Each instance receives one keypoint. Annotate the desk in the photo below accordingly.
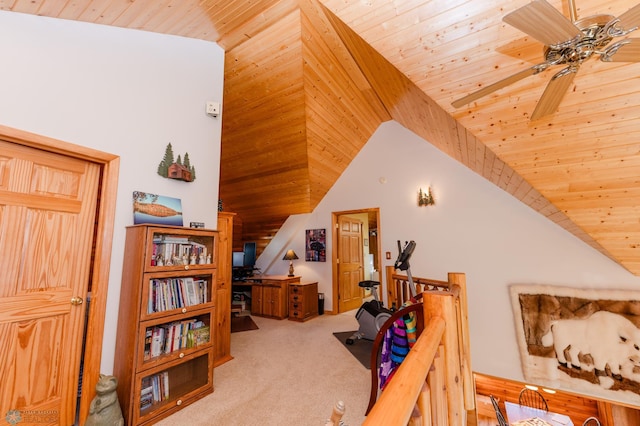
(516, 412)
(270, 294)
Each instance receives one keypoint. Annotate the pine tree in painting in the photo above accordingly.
(163, 167)
(187, 165)
(144, 196)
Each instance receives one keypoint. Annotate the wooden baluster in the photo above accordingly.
(336, 415)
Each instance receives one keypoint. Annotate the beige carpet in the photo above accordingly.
(284, 373)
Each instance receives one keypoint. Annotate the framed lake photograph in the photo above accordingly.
(156, 209)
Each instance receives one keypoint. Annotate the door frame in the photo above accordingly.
(102, 243)
(334, 252)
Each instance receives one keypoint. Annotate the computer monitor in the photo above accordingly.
(238, 259)
(250, 254)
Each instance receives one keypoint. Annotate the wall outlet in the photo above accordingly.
(213, 108)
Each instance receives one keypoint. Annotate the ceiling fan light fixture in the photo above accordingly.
(569, 42)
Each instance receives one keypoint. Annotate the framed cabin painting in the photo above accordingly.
(581, 340)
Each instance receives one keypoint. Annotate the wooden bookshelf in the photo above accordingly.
(166, 324)
(223, 291)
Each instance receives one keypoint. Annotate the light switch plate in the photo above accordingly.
(213, 108)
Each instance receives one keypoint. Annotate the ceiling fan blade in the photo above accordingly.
(500, 84)
(544, 23)
(627, 50)
(554, 92)
(630, 20)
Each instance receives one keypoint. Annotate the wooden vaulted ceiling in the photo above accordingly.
(307, 82)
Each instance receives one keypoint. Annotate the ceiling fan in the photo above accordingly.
(567, 42)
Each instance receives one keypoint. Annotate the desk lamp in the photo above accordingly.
(290, 256)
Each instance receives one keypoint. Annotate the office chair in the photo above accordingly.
(591, 421)
(499, 415)
(533, 399)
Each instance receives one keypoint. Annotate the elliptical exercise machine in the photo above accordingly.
(402, 263)
(372, 314)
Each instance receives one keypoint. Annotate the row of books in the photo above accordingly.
(155, 389)
(167, 338)
(176, 293)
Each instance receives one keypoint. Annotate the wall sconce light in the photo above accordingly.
(290, 256)
(425, 198)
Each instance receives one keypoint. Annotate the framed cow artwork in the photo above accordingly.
(581, 340)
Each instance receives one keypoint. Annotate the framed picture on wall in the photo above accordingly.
(580, 339)
(315, 245)
(157, 209)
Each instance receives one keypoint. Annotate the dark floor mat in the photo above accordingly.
(361, 349)
(242, 323)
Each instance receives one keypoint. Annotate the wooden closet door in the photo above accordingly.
(47, 213)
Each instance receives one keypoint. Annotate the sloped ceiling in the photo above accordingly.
(314, 111)
(307, 82)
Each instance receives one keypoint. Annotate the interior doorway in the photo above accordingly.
(355, 255)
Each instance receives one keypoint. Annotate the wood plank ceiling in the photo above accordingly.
(308, 81)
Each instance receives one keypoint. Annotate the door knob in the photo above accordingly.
(77, 300)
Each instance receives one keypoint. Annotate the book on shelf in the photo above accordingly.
(168, 342)
(190, 287)
(177, 337)
(157, 341)
(155, 389)
(200, 336)
(146, 395)
(165, 382)
(203, 290)
(148, 339)
(151, 297)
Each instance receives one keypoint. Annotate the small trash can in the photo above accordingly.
(320, 303)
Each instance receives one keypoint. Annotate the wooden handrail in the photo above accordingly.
(434, 384)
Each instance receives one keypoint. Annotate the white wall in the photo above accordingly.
(124, 92)
(475, 228)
